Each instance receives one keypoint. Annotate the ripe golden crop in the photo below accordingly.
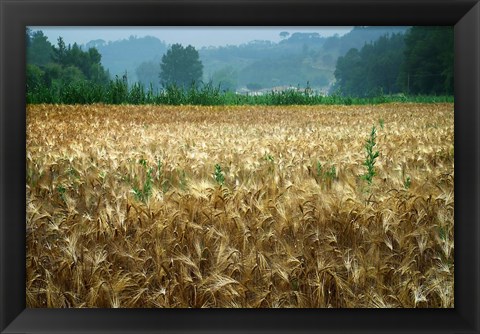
(245, 206)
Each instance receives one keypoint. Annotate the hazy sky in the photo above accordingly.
(196, 36)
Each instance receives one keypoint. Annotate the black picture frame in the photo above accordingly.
(15, 15)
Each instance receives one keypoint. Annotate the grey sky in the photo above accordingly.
(196, 36)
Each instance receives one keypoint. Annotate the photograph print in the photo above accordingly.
(240, 167)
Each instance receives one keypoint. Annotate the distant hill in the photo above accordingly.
(297, 59)
(127, 54)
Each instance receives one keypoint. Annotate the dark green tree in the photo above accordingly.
(429, 60)
(372, 71)
(98, 74)
(35, 77)
(95, 71)
(39, 50)
(348, 71)
(181, 66)
(60, 52)
(51, 70)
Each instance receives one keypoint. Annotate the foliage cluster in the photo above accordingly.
(372, 155)
(61, 72)
(395, 67)
(373, 70)
(142, 193)
(419, 62)
(118, 91)
(181, 67)
(297, 58)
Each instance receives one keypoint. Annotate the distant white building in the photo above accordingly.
(279, 89)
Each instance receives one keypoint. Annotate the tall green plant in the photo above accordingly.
(218, 174)
(372, 155)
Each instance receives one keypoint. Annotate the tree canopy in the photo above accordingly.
(419, 62)
(53, 68)
(428, 67)
(373, 70)
(181, 66)
(39, 49)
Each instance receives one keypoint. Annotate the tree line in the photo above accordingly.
(420, 62)
(53, 67)
(67, 74)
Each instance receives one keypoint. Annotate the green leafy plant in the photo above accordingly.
(326, 175)
(144, 192)
(442, 233)
(119, 91)
(371, 157)
(271, 162)
(143, 162)
(219, 175)
(61, 191)
(332, 173)
(269, 158)
(407, 182)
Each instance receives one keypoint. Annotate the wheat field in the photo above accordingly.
(243, 206)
